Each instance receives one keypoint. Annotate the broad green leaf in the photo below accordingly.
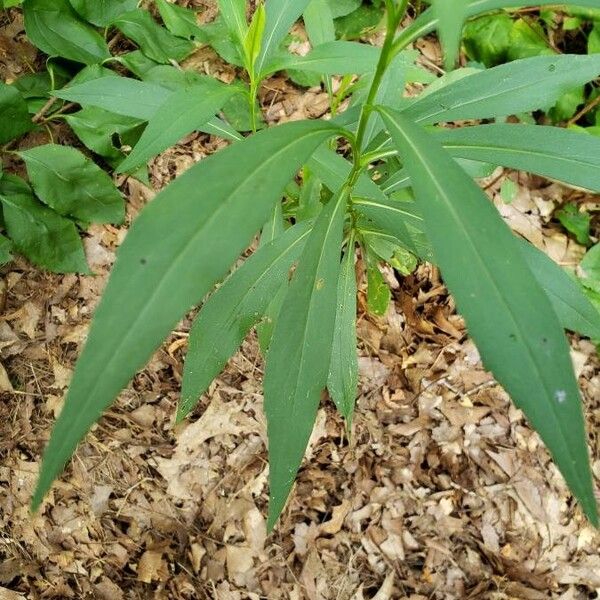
(37, 232)
(71, 184)
(506, 310)
(16, 119)
(590, 269)
(102, 12)
(560, 154)
(154, 41)
(573, 309)
(318, 22)
(234, 16)
(180, 21)
(300, 351)
(378, 292)
(341, 8)
(56, 29)
(517, 87)
(183, 112)
(342, 381)
(486, 40)
(309, 202)
(450, 15)
(359, 23)
(5, 250)
(169, 261)
(280, 16)
(332, 58)
(137, 99)
(136, 62)
(104, 132)
(233, 309)
(388, 248)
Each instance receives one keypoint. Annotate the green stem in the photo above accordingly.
(253, 96)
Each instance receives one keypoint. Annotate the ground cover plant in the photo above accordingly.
(387, 176)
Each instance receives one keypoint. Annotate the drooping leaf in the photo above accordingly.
(56, 29)
(71, 184)
(450, 15)
(183, 112)
(342, 381)
(220, 204)
(102, 12)
(517, 87)
(506, 310)
(299, 354)
(232, 310)
(573, 309)
(154, 41)
(37, 232)
(560, 154)
(280, 16)
(16, 119)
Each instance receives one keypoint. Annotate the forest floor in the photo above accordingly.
(441, 492)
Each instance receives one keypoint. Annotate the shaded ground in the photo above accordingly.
(441, 492)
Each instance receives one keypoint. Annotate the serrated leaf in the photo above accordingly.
(342, 381)
(233, 309)
(507, 312)
(71, 184)
(220, 204)
(16, 119)
(154, 41)
(298, 358)
(37, 232)
(560, 154)
(520, 86)
(183, 112)
(102, 12)
(56, 29)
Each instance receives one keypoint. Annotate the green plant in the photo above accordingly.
(404, 194)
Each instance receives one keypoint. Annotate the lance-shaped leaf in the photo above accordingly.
(181, 244)
(571, 305)
(428, 20)
(506, 310)
(281, 15)
(516, 87)
(234, 15)
(233, 309)
(298, 358)
(342, 382)
(183, 112)
(102, 12)
(450, 15)
(567, 156)
(332, 58)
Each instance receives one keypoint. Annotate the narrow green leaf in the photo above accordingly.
(450, 15)
(254, 37)
(102, 12)
(298, 358)
(154, 41)
(233, 309)
(517, 87)
(507, 312)
(234, 15)
(318, 22)
(342, 381)
(71, 184)
(332, 58)
(183, 112)
(16, 119)
(37, 232)
(169, 261)
(573, 309)
(180, 21)
(560, 154)
(56, 29)
(280, 16)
